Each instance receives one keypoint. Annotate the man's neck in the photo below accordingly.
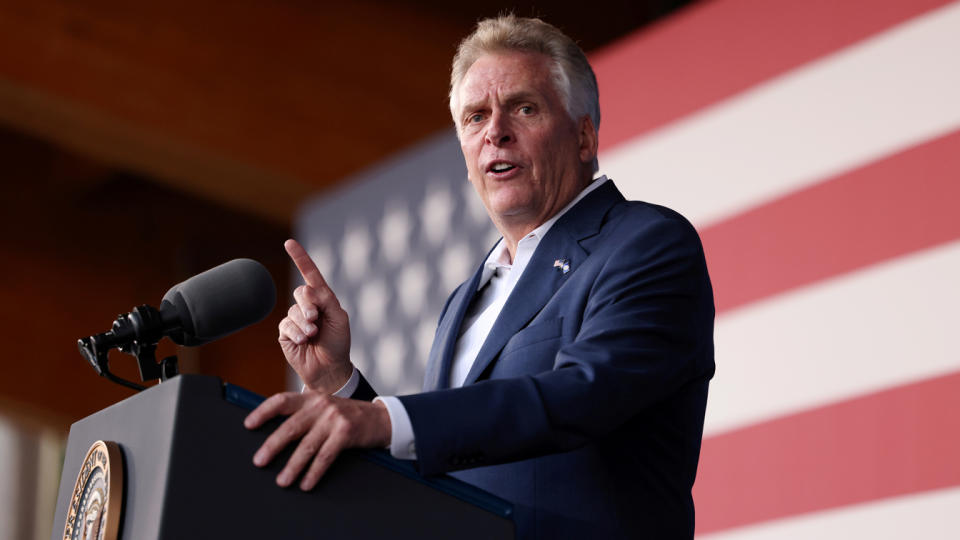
(511, 238)
(516, 230)
(513, 232)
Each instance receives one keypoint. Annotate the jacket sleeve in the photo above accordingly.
(364, 391)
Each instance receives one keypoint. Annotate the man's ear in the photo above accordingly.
(587, 138)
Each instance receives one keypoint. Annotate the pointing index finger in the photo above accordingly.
(308, 269)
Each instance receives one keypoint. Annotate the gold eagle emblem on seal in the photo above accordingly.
(97, 499)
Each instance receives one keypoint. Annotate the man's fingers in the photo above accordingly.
(331, 448)
(295, 315)
(291, 429)
(305, 451)
(291, 332)
(326, 424)
(308, 299)
(309, 271)
(284, 403)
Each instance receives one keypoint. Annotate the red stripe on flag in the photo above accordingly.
(885, 444)
(714, 50)
(889, 208)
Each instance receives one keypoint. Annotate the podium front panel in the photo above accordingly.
(189, 473)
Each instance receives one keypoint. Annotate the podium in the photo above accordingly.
(188, 473)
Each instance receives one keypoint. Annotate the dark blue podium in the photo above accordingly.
(188, 473)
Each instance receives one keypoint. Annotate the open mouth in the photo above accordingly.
(501, 167)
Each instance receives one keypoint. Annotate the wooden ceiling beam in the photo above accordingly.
(252, 104)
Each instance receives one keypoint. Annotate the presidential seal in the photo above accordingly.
(97, 500)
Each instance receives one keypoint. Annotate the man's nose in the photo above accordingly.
(499, 131)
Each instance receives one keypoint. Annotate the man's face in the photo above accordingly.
(525, 156)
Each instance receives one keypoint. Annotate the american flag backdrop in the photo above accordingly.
(816, 146)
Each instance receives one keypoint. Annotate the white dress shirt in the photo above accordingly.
(497, 281)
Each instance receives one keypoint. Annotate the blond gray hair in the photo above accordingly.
(572, 75)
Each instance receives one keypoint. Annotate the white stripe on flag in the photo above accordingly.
(930, 516)
(892, 91)
(886, 325)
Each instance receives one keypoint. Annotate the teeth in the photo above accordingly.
(500, 167)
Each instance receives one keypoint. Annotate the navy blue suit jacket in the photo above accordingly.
(585, 404)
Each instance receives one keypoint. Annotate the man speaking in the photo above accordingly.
(569, 374)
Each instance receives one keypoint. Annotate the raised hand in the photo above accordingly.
(315, 334)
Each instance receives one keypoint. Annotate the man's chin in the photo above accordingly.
(509, 209)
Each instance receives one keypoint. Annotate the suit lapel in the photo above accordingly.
(437, 375)
(541, 278)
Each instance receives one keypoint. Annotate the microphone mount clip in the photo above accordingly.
(137, 334)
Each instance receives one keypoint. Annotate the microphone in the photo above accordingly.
(218, 302)
(204, 308)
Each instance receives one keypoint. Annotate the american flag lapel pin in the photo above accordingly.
(562, 264)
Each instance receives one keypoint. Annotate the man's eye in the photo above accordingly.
(526, 109)
(474, 118)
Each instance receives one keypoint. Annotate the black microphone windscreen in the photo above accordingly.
(220, 301)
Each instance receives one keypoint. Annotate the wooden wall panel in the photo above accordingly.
(82, 244)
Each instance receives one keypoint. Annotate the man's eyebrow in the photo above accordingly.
(472, 105)
(509, 99)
